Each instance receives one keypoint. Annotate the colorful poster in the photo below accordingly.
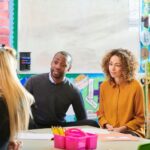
(145, 58)
(4, 22)
(144, 33)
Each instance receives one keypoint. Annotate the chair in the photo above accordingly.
(145, 146)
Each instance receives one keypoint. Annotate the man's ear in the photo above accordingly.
(69, 68)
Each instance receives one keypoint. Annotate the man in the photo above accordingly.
(54, 94)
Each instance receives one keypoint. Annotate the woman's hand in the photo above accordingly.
(120, 129)
(15, 145)
(109, 127)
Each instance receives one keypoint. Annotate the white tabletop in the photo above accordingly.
(45, 144)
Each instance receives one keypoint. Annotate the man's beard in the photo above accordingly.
(60, 75)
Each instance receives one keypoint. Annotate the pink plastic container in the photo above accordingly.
(59, 141)
(74, 132)
(91, 141)
(75, 143)
(75, 139)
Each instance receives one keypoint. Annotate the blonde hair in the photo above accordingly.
(16, 97)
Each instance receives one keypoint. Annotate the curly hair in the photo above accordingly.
(128, 63)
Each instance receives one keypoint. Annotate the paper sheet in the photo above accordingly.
(117, 137)
(35, 136)
(95, 130)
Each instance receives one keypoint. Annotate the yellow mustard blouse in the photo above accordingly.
(122, 105)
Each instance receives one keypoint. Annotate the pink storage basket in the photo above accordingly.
(91, 141)
(59, 141)
(76, 139)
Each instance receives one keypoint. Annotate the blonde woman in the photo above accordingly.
(14, 101)
(121, 95)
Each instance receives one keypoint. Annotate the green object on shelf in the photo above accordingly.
(145, 146)
(147, 68)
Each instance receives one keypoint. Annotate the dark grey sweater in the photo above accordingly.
(53, 100)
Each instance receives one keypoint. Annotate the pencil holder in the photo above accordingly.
(75, 139)
(59, 141)
(75, 143)
(74, 132)
(91, 141)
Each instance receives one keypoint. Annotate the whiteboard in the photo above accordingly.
(85, 28)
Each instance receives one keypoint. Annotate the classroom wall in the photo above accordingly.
(85, 28)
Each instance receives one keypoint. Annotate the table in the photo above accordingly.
(101, 145)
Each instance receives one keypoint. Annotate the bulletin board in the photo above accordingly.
(8, 22)
(85, 28)
(144, 33)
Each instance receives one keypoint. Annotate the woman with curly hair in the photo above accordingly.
(15, 101)
(121, 95)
